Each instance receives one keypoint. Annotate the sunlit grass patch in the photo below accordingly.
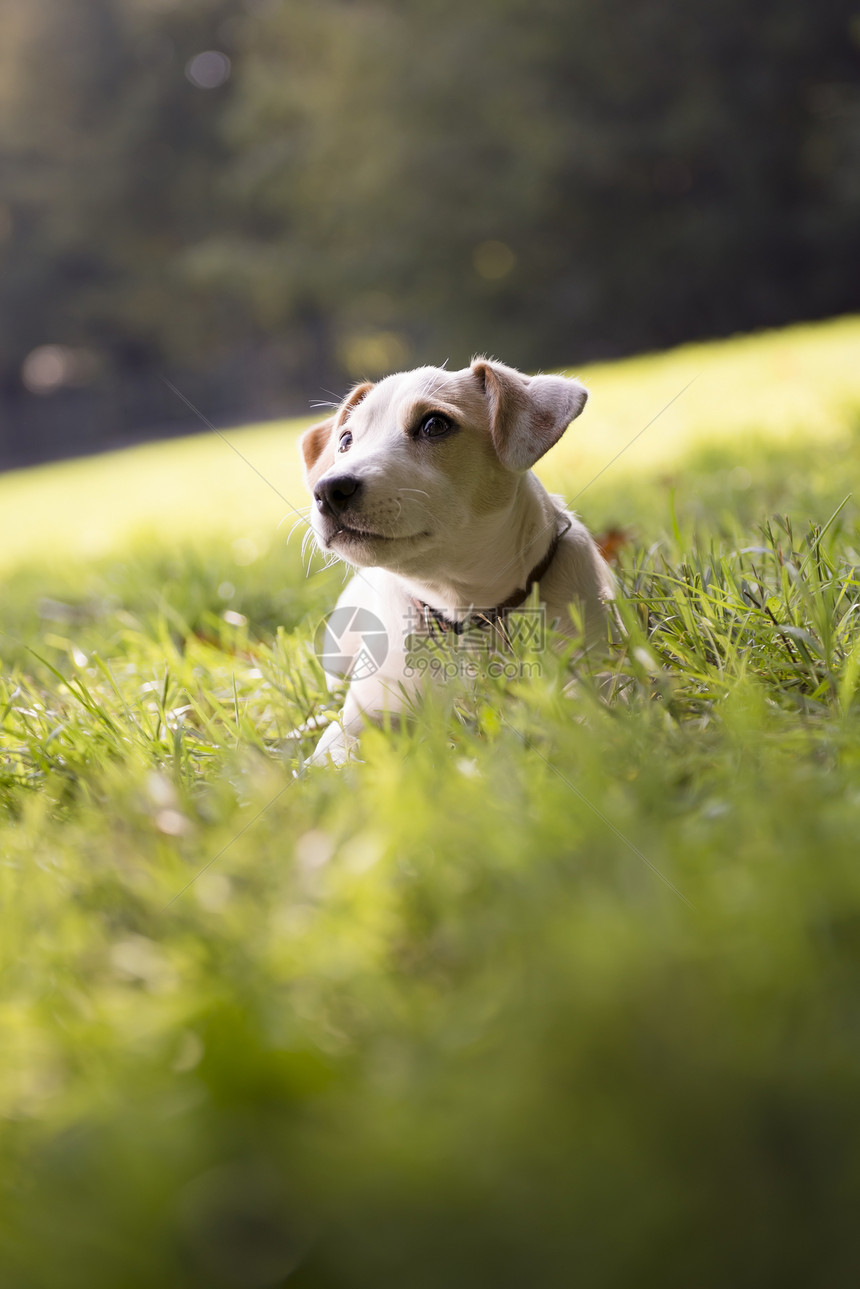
(781, 388)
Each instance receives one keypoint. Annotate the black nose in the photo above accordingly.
(334, 495)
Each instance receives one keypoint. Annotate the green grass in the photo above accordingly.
(557, 986)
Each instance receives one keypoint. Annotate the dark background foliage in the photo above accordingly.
(337, 188)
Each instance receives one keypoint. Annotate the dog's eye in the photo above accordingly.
(345, 442)
(434, 426)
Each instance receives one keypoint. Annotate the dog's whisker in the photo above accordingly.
(432, 383)
(338, 398)
(307, 551)
(304, 518)
(425, 505)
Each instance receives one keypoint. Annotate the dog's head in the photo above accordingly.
(409, 468)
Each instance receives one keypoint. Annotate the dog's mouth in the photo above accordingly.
(357, 535)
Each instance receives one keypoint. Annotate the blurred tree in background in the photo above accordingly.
(262, 200)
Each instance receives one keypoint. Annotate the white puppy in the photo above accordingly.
(423, 483)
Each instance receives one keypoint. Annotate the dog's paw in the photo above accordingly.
(336, 747)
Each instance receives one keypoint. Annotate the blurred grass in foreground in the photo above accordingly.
(553, 987)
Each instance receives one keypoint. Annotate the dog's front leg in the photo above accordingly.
(340, 737)
(371, 700)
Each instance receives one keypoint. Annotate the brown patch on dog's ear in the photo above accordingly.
(317, 448)
(528, 414)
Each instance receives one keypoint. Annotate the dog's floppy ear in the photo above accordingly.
(528, 414)
(317, 448)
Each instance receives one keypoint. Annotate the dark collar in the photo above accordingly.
(491, 617)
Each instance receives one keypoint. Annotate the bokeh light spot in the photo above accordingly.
(373, 353)
(208, 70)
(493, 260)
(49, 367)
